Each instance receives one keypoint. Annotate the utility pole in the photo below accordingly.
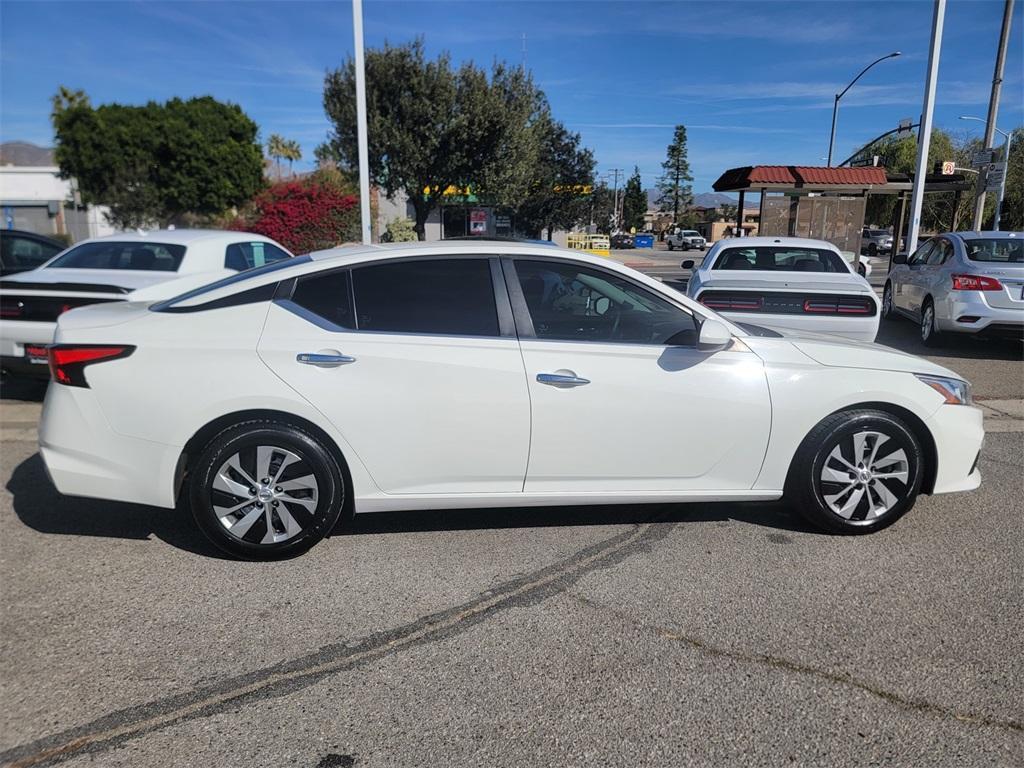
(993, 109)
(925, 132)
(364, 153)
(615, 199)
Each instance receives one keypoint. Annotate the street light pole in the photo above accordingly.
(1007, 140)
(364, 154)
(993, 107)
(835, 104)
(924, 135)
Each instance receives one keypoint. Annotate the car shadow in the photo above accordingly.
(902, 334)
(40, 507)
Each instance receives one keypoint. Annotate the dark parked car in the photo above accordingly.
(623, 240)
(20, 250)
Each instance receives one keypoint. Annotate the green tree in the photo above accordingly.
(634, 203)
(676, 193)
(276, 152)
(177, 162)
(431, 127)
(292, 152)
(602, 208)
(560, 181)
(1011, 217)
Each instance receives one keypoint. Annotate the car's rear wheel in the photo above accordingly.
(856, 472)
(265, 490)
(930, 335)
(888, 310)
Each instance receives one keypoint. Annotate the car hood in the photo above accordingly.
(121, 278)
(843, 353)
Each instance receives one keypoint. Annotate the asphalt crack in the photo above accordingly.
(787, 665)
(284, 678)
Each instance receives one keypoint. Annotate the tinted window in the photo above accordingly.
(326, 295)
(579, 304)
(149, 257)
(26, 253)
(445, 296)
(781, 259)
(242, 256)
(1001, 249)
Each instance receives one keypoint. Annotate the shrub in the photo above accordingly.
(399, 231)
(304, 216)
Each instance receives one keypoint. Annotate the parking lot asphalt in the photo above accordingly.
(704, 634)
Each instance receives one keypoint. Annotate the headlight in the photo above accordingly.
(955, 391)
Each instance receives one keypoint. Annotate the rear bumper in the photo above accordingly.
(956, 312)
(856, 328)
(958, 432)
(85, 457)
(14, 335)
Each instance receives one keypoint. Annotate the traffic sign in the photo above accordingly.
(904, 126)
(983, 157)
(948, 168)
(994, 176)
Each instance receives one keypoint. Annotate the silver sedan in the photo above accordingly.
(965, 282)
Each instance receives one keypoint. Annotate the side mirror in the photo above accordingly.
(688, 264)
(713, 336)
(899, 258)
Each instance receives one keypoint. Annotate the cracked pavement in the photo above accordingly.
(705, 634)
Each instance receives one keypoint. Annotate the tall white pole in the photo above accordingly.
(1002, 184)
(925, 131)
(364, 153)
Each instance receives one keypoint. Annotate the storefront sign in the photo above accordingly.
(477, 221)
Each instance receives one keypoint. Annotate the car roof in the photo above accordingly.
(178, 236)
(354, 253)
(975, 235)
(754, 242)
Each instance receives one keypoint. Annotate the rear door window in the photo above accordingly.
(138, 256)
(243, 256)
(438, 296)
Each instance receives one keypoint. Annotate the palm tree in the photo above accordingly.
(277, 149)
(292, 152)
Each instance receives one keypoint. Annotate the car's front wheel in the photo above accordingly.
(856, 472)
(671, 247)
(265, 490)
(888, 311)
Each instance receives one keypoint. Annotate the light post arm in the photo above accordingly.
(835, 104)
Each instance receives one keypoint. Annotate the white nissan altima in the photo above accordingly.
(482, 374)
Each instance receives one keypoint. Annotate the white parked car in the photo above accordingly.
(685, 239)
(424, 376)
(110, 268)
(786, 282)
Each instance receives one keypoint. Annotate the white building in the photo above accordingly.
(34, 198)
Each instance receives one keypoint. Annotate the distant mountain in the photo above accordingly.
(22, 153)
(701, 200)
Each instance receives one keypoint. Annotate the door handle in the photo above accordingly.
(561, 380)
(321, 360)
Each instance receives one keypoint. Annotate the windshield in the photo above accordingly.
(878, 233)
(1003, 250)
(781, 259)
(691, 233)
(143, 257)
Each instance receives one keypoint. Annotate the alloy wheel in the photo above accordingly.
(865, 475)
(264, 494)
(887, 301)
(927, 322)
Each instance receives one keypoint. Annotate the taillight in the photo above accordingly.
(68, 361)
(733, 303)
(976, 283)
(10, 308)
(838, 306)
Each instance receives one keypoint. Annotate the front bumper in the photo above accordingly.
(84, 456)
(958, 432)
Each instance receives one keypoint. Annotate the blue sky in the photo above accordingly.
(752, 81)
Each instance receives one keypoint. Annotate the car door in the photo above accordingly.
(416, 364)
(622, 400)
(908, 289)
(933, 277)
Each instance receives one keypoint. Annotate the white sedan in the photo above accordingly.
(786, 282)
(103, 269)
(419, 376)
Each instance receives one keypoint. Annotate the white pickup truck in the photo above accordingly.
(685, 239)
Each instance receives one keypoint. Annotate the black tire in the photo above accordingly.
(314, 509)
(670, 246)
(862, 270)
(872, 250)
(930, 334)
(888, 308)
(880, 501)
